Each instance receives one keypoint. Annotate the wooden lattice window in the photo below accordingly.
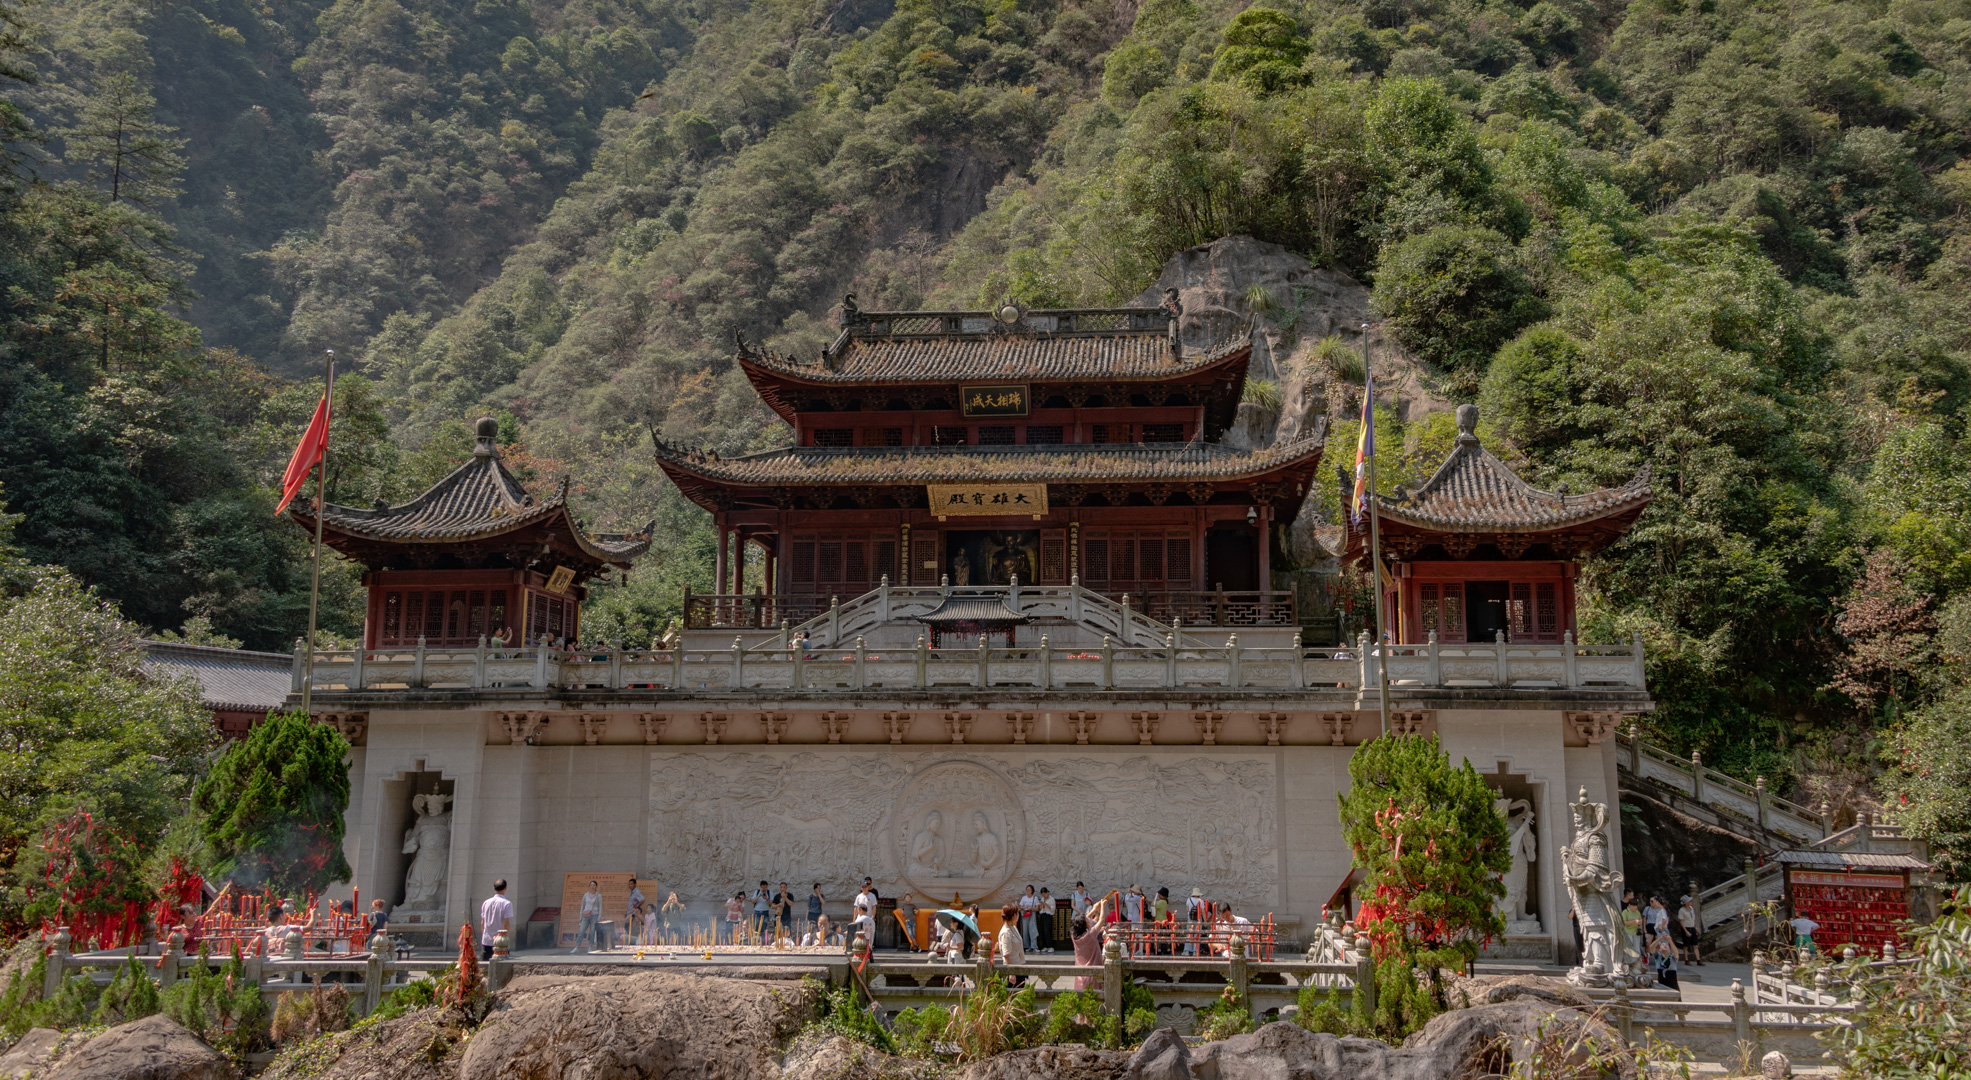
(834, 436)
(1427, 609)
(1053, 557)
(413, 614)
(996, 434)
(1044, 434)
(1163, 433)
(855, 559)
(1454, 613)
(393, 615)
(475, 627)
(924, 559)
(1095, 559)
(1546, 610)
(1518, 609)
(1150, 549)
(945, 435)
(496, 606)
(1112, 433)
(434, 616)
(828, 561)
(1177, 555)
(537, 617)
(888, 436)
(1122, 559)
(804, 561)
(883, 561)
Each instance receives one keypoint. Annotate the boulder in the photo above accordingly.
(1216, 282)
(1051, 1063)
(833, 1057)
(1163, 1056)
(1463, 1044)
(154, 1048)
(31, 1054)
(645, 1026)
(1283, 1051)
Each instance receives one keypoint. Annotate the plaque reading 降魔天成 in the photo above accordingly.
(992, 401)
(977, 500)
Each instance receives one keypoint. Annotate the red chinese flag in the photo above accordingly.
(306, 455)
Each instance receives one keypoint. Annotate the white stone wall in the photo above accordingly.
(1251, 823)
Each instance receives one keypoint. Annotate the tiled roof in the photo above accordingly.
(231, 680)
(478, 499)
(972, 346)
(1840, 860)
(972, 609)
(1103, 463)
(1474, 491)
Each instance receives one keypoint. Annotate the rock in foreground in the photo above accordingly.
(154, 1048)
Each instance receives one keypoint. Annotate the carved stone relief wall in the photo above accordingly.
(979, 826)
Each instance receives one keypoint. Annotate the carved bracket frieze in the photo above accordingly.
(1020, 724)
(1145, 724)
(354, 726)
(1593, 726)
(774, 725)
(593, 725)
(523, 728)
(1083, 724)
(897, 724)
(958, 725)
(1409, 723)
(1274, 725)
(653, 727)
(714, 726)
(1209, 724)
(1339, 724)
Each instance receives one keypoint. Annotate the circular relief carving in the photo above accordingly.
(958, 830)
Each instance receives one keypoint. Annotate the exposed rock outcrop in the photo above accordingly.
(154, 1048)
(31, 1054)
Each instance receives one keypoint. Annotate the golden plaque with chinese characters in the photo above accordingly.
(989, 401)
(987, 500)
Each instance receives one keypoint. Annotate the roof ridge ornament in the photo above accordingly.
(1468, 425)
(486, 434)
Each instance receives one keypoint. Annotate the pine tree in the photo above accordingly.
(272, 807)
(123, 146)
(1433, 844)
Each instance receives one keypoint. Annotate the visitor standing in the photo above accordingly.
(1632, 922)
(1194, 906)
(1028, 910)
(1044, 920)
(495, 915)
(1160, 914)
(1087, 936)
(735, 917)
(907, 911)
(1132, 904)
(864, 923)
(589, 928)
(633, 913)
(867, 897)
(1687, 923)
(814, 905)
(783, 903)
(1664, 961)
(1079, 900)
(1012, 948)
(1803, 933)
(762, 910)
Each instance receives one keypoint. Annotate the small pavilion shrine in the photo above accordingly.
(476, 556)
(1475, 552)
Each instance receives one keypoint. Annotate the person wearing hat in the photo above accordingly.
(1132, 904)
(1194, 914)
(1160, 912)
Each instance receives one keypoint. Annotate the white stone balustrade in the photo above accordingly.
(856, 667)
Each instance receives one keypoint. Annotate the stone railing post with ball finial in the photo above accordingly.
(375, 971)
(1113, 975)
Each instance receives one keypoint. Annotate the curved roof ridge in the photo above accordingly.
(1473, 490)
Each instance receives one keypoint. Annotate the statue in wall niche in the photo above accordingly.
(1525, 848)
(429, 839)
(1596, 891)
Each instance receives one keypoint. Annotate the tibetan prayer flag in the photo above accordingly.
(1365, 448)
(307, 454)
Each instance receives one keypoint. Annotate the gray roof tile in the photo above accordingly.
(235, 680)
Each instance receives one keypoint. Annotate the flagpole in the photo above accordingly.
(1375, 545)
(321, 502)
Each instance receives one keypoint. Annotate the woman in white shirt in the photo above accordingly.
(1011, 950)
(1029, 907)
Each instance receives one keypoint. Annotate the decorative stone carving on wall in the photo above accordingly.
(522, 728)
(593, 725)
(946, 822)
(1274, 725)
(1083, 724)
(354, 726)
(1209, 724)
(1524, 843)
(1593, 726)
(653, 727)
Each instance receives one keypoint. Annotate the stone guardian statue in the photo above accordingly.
(429, 839)
(1596, 892)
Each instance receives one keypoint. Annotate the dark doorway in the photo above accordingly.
(1485, 609)
(1232, 558)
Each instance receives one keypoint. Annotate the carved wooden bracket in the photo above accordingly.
(1209, 724)
(354, 726)
(1339, 724)
(1594, 726)
(1021, 724)
(835, 724)
(523, 727)
(959, 725)
(775, 725)
(897, 723)
(1274, 725)
(714, 726)
(593, 725)
(1146, 726)
(653, 726)
(1083, 723)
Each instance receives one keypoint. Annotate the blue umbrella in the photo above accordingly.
(961, 917)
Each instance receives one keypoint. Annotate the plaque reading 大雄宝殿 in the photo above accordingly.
(975, 500)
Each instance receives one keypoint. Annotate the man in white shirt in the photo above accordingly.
(864, 923)
(495, 915)
(1132, 904)
(1803, 932)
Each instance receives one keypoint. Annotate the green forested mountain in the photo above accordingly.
(1722, 238)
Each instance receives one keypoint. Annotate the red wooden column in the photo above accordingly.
(718, 561)
(1265, 560)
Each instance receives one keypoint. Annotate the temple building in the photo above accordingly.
(1014, 619)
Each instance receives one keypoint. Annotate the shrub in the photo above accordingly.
(841, 1014)
(1321, 1011)
(1082, 1017)
(322, 1011)
(1230, 1015)
(130, 996)
(1455, 293)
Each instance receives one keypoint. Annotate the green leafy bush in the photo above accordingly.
(1909, 1020)
(840, 1013)
(131, 995)
(1230, 1015)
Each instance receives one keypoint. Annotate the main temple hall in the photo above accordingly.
(1017, 605)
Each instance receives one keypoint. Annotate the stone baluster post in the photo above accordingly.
(1046, 664)
(1365, 975)
(1826, 819)
(541, 650)
(1237, 975)
(1635, 749)
(1741, 1014)
(58, 953)
(479, 665)
(374, 971)
(834, 621)
(168, 959)
(1624, 1015)
(1108, 663)
(1113, 974)
(1437, 661)
(1503, 677)
(1696, 776)
(356, 661)
(882, 599)
(985, 662)
(300, 664)
(1759, 795)
(417, 663)
(1636, 671)
(982, 957)
(923, 662)
(1367, 678)
(861, 654)
(1170, 659)
(1233, 652)
(677, 666)
(738, 663)
(1567, 659)
(1758, 975)
(500, 968)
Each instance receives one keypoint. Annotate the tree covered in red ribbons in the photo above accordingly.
(87, 881)
(1434, 845)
